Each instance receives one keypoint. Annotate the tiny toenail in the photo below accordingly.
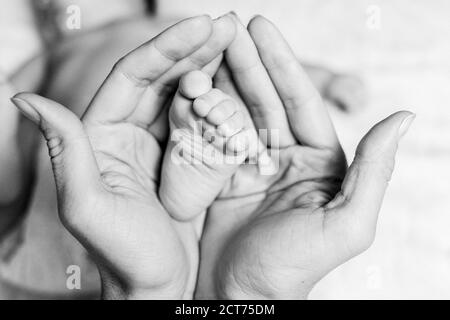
(225, 130)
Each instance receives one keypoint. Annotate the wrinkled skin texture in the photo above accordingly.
(198, 160)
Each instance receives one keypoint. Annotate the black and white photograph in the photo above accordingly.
(224, 150)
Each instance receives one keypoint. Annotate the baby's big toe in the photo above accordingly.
(194, 84)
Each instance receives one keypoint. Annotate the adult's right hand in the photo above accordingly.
(276, 236)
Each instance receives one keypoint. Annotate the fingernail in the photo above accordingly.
(235, 16)
(222, 16)
(403, 129)
(205, 16)
(27, 109)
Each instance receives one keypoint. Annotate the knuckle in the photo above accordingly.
(122, 68)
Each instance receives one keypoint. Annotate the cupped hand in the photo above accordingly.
(107, 166)
(275, 236)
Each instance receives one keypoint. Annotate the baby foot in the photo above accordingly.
(208, 143)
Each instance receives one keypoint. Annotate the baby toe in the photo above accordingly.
(232, 125)
(222, 112)
(194, 84)
(204, 104)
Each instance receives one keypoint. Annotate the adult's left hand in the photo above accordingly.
(106, 166)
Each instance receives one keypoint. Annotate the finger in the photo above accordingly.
(223, 32)
(308, 116)
(367, 178)
(255, 86)
(74, 166)
(122, 91)
(223, 81)
(212, 67)
(192, 85)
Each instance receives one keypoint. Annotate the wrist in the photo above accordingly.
(251, 287)
(114, 292)
(236, 293)
(227, 287)
(114, 288)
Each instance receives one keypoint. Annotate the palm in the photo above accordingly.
(276, 223)
(128, 158)
(286, 237)
(125, 123)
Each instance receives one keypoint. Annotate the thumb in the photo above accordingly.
(74, 166)
(368, 177)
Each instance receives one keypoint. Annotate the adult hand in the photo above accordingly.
(276, 236)
(106, 167)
